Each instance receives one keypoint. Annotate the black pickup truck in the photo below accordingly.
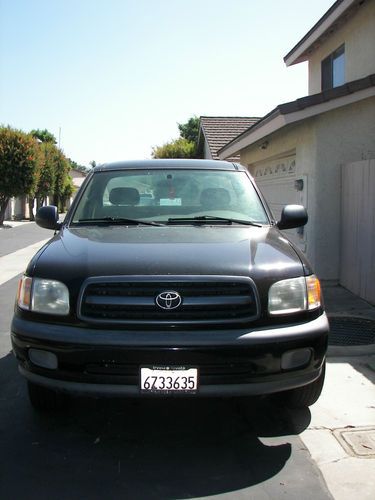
(170, 277)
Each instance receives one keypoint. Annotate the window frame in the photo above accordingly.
(327, 69)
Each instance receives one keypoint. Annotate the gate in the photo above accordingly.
(358, 229)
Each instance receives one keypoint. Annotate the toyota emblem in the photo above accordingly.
(168, 300)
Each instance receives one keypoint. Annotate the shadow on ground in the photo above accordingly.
(152, 449)
(362, 364)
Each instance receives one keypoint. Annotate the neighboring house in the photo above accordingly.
(320, 150)
(216, 131)
(78, 177)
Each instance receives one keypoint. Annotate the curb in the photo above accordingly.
(9, 224)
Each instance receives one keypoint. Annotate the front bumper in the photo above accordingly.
(230, 362)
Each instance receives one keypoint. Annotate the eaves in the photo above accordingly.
(330, 22)
(302, 109)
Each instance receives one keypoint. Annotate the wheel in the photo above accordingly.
(306, 395)
(44, 399)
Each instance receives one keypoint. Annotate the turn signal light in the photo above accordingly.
(24, 292)
(314, 294)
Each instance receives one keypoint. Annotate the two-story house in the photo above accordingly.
(320, 150)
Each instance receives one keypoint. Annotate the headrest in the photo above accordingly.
(124, 196)
(215, 198)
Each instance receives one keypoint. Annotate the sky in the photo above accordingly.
(112, 78)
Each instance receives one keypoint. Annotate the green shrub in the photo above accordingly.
(18, 166)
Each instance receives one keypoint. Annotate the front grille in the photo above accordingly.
(204, 300)
(208, 374)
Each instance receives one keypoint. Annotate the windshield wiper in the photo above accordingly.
(118, 220)
(212, 218)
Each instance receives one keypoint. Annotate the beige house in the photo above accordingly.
(319, 150)
(77, 177)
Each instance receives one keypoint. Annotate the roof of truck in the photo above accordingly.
(170, 163)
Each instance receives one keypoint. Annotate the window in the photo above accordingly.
(333, 69)
(157, 195)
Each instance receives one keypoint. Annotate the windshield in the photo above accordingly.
(160, 195)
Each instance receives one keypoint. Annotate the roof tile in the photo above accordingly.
(219, 130)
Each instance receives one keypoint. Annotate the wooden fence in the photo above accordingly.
(358, 229)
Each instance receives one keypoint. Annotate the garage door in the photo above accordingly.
(280, 186)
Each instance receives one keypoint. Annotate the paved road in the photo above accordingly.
(21, 236)
(145, 449)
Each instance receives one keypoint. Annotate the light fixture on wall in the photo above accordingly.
(264, 145)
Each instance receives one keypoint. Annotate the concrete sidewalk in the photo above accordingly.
(341, 434)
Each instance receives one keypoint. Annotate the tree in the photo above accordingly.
(62, 168)
(67, 192)
(180, 148)
(45, 168)
(186, 146)
(47, 163)
(190, 129)
(18, 166)
(54, 178)
(43, 135)
(46, 181)
(53, 172)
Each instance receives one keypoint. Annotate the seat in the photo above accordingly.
(215, 198)
(124, 196)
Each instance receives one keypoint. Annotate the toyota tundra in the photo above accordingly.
(170, 278)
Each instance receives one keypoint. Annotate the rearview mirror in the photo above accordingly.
(48, 217)
(292, 216)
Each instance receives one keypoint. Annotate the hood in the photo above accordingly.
(78, 253)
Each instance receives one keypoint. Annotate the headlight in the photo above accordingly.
(294, 295)
(43, 296)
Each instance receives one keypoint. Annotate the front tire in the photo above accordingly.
(307, 395)
(45, 400)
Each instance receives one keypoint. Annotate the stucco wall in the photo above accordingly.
(358, 34)
(298, 139)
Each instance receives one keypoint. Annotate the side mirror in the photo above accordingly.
(48, 217)
(292, 216)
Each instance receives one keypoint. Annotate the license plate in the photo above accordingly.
(166, 380)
